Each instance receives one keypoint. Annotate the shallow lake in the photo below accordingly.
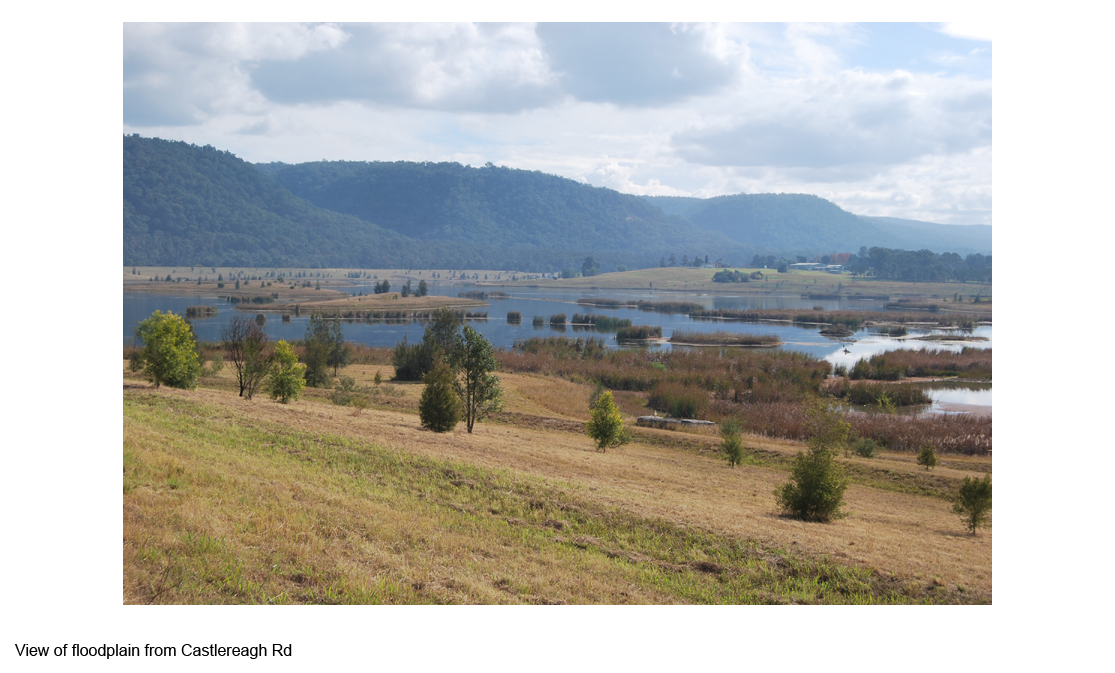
(531, 302)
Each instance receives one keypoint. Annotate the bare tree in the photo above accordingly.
(246, 344)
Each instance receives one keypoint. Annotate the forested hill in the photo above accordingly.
(501, 207)
(806, 224)
(185, 204)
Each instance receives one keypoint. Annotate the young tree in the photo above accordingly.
(815, 491)
(423, 289)
(477, 387)
(731, 443)
(973, 502)
(287, 376)
(245, 342)
(606, 427)
(927, 457)
(169, 350)
(439, 408)
(323, 347)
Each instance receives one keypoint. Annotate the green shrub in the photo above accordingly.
(927, 457)
(216, 364)
(439, 408)
(606, 426)
(973, 502)
(815, 491)
(344, 392)
(287, 376)
(731, 443)
(866, 448)
(169, 350)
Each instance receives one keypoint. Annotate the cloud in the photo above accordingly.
(883, 119)
(180, 74)
(640, 64)
(459, 67)
(851, 120)
(968, 30)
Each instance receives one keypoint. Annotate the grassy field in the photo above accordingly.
(664, 279)
(228, 500)
(794, 282)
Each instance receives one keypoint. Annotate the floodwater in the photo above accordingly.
(532, 302)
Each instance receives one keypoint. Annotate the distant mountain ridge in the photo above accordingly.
(185, 204)
(807, 224)
(498, 206)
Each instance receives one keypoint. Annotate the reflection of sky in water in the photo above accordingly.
(960, 396)
(868, 344)
(531, 302)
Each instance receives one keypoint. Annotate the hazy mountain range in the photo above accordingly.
(185, 204)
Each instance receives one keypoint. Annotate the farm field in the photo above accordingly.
(228, 500)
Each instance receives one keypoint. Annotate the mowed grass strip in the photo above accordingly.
(223, 509)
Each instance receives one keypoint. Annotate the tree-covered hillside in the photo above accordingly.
(807, 225)
(185, 204)
(500, 207)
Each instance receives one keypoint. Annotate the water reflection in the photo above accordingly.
(530, 302)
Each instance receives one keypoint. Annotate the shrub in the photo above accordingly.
(169, 350)
(216, 364)
(557, 319)
(973, 502)
(815, 491)
(927, 457)
(439, 408)
(287, 376)
(344, 392)
(514, 317)
(606, 426)
(731, 443)
(866, 448)
(538, 321)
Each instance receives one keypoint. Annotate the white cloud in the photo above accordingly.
(698, 109)
(969, 30)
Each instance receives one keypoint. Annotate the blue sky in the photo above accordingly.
(883, 119)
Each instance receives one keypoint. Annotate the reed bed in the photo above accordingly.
(198, 312)
(514, 317)
(736, 374)
(899, 394)
(602, 323)
(965, 434)
(851, 319)
(639, 332)
(557, 319)
(899, 364)
(657, 306)
(723, 338)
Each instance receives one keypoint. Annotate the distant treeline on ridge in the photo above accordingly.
(185, 204)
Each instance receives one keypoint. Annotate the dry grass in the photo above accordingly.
(228, 500)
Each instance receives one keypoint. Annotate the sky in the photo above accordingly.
(882, 119)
